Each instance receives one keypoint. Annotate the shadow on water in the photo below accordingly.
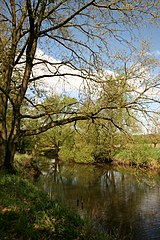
(111, 198)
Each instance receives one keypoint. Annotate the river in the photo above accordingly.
(125, 199)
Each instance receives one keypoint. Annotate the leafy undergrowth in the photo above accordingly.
(28, 213)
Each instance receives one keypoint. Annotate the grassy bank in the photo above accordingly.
(140, 155)
(28, 213)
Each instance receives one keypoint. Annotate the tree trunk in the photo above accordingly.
(3, 130)
(9, 157)
(2, 153)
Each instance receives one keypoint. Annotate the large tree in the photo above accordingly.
(80, 35)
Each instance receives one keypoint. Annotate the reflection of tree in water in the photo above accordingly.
(111, 198)
(122, 202)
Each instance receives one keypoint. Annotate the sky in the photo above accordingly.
(149, 33)
(71, 85)
(152, 34)
(57, 84)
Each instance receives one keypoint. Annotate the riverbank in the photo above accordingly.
(27, 213)
(140, 156)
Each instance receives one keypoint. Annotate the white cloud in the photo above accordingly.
(60, 77)
(157, 52)
(71, 84)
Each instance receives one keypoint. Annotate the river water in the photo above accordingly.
(125, 199)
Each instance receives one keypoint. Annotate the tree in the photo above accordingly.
(78, 32)
(154, 136)
(57, 137)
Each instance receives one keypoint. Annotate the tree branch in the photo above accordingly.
(66, 20)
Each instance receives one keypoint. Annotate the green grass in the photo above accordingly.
(141, 155)
(27, 213)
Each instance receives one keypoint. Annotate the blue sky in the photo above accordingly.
(151, 33)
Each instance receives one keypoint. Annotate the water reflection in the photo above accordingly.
(111, 198)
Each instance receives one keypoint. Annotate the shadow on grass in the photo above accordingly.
(27, 213)
(17, 226)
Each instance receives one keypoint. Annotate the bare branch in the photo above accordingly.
(66, 20)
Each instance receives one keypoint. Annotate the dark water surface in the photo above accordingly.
(111, 198)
